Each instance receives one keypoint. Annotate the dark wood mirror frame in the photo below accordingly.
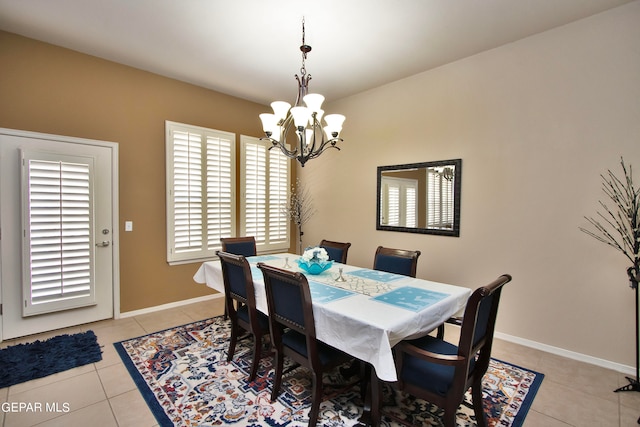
(419, 171)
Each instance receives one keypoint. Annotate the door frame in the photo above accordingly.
(113, 147)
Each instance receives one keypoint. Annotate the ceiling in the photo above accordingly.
(250, 48)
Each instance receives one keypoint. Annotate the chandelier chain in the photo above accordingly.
(304, 48)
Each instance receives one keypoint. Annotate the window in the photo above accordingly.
(399, 204)
(57, 216)
(439, 200)
(200, 191)
(265, 180)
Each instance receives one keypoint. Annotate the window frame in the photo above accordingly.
(206, 249)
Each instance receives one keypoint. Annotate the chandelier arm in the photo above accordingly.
(291, 154)
(323, 148)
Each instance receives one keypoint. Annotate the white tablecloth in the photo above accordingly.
(371, 312)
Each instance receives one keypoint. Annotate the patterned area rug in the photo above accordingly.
(184, 377)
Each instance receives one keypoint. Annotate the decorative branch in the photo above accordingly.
(300, 208)
(618, 227)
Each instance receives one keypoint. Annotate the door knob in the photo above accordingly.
(103, 244)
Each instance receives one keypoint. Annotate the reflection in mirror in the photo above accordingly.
(420, 197)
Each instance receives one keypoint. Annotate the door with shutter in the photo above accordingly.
(58, 253)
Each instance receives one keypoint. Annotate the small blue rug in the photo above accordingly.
(24, 362)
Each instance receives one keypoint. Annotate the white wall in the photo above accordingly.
(535, 122)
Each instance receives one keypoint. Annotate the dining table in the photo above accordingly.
(360, 311)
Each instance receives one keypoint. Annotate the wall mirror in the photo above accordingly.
(420, 197)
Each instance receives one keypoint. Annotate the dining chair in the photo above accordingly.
(238, 288)
(245, 246)
(440, 372)
(293, 331)
(337, 251)
(398, 261)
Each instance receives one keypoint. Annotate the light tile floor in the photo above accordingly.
(103, 394)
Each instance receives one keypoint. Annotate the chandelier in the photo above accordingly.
(312, 139)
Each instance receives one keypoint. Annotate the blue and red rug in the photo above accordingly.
(184, 377)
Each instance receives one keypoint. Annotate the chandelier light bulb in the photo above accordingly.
(269, 122)
(314, 101)
(334, 123)
(277, 133)
(301, 116)
(280, 109)
(328, 131)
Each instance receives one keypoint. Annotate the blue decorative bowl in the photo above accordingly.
(314, 267)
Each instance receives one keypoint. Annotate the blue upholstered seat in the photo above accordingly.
(263, 320)
(298, 343)
(422, 373)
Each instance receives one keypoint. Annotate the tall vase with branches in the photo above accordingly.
(300, 209)
(618, 227)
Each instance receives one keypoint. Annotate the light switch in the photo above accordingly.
(128, 226)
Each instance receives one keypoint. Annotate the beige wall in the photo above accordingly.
(535, 122)
(44, 88)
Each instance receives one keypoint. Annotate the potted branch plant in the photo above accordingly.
(618, 226)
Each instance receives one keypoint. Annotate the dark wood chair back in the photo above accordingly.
(245, 246)
(398, 261)
(337, 251)
(240, 305)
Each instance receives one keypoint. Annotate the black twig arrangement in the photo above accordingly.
(618, 227)
(300, 208)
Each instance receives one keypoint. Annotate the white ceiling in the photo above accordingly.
(250, 48)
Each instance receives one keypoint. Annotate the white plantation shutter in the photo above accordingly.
(399, 202)
(187, 191)
(201, 191)
(255, 189)
(439, 200)
(393, 205)
(57, 246)
(265, 179)
(279, 167)
(411, 208)
(220, 192)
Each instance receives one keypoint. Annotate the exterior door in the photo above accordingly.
(69, 276)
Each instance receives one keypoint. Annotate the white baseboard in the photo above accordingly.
(170, 305)
(625, 369)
